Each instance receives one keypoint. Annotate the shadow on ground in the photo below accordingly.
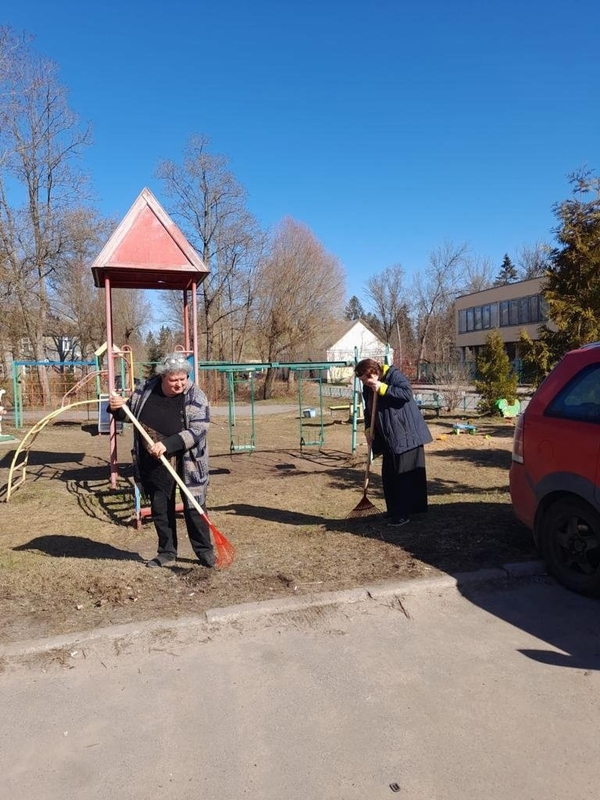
(495, 537)
(60, 546)
(562, 619)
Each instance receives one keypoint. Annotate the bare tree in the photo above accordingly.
(477, 274)
(40, 139)
(300, 288)
(453, 378)
(387, 295)
(434, 291)
(534, 260)
(132, 312)
(390, 303)
(76, 302)
(210, 206)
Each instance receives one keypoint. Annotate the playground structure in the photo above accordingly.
(242, 437)
(147, 251)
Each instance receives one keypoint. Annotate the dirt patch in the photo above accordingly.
(71, 560)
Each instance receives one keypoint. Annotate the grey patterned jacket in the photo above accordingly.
(194, 435)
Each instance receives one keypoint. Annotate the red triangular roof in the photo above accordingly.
(148, 251)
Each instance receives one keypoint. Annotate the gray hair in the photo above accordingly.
(174, 362)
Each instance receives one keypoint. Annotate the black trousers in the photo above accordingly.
(404, 482)
(165, 522)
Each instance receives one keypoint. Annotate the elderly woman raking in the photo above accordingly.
(175, 414)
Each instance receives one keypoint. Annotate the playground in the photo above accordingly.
(71, 557)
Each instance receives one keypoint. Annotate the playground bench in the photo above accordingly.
(343, 407)
(434, 404)
(348, 408)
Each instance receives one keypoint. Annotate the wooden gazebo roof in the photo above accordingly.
(148, 251)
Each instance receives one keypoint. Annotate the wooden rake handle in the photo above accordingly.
(370, 454)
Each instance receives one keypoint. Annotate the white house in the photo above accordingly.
(341, 343)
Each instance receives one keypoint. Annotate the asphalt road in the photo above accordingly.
(435, 696)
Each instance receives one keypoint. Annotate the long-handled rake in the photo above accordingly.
(366, 507)
(224, 549)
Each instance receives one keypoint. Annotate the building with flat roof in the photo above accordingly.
(511, 309)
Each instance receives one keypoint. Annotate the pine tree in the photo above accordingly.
(354, 309)
(152, 355)
(166, 341)
(508, 272)
(572, 287)
(496, 377)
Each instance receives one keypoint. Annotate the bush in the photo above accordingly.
(497, 379)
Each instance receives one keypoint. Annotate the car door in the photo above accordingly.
(568, 440)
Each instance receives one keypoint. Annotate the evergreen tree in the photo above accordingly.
(496, 377)
(354, 309)
(166, 341)
(376, 325)
(508, 272)
(152, 354)
(572, 289)
(572, 285)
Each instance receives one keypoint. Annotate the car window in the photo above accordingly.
(580, 398)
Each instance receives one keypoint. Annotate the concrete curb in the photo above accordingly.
(126, 637)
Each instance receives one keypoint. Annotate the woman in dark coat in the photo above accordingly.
(398, 433)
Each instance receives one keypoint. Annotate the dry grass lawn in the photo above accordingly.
(71, 560)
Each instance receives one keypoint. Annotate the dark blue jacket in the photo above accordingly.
(399, 419)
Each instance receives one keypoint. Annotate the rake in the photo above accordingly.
(224, 549)
(366, 507)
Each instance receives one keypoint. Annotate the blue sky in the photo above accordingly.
(386, 127)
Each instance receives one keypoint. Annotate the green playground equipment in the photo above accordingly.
(310, 413)
(246, 441)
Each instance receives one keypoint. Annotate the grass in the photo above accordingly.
(70, 559)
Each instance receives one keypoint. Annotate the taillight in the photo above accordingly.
(518, 448)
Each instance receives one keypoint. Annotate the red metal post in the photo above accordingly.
(186, 322)
(110, 365)
(195, 331)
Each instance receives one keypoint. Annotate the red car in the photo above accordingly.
(555, 471)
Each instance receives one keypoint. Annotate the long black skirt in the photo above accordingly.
(404, 482)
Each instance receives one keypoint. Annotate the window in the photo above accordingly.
(494, 315)
(580, 398)
(470, 320)
(513, 312)
(486, 317)
(534, 308)
(504, 313)
(477, 317)
(26, 347)
(462, 321)
(524, 311)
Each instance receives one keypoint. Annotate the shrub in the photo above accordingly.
(496, 377)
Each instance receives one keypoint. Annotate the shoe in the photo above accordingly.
(397, 522)
(209, 563)
(161, 560)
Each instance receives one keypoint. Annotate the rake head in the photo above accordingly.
(224, 550)
(363, 509)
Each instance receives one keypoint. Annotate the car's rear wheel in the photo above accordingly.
(569, 536)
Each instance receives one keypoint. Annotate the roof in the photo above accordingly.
(337, 331)
(537, 280)
(148, 251)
